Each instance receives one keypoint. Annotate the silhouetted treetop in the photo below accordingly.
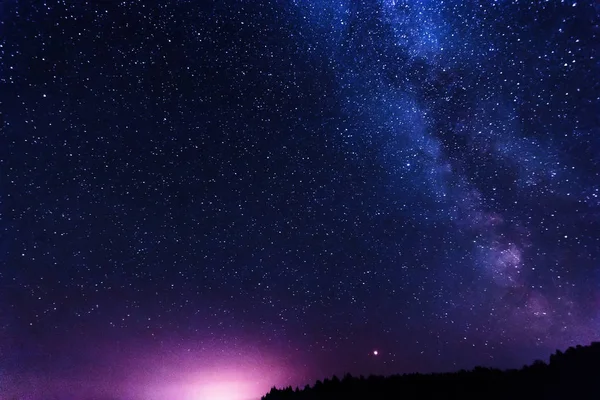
(573, 374)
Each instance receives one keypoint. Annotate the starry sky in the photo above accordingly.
(204, 199)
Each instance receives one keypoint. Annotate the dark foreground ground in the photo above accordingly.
(574, 374)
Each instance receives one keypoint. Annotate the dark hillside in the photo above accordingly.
(574, 374)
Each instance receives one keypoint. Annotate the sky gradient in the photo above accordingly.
(201, 200)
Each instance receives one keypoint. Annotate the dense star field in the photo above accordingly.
(202, 200)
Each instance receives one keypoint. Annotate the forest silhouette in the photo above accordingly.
(574, 374)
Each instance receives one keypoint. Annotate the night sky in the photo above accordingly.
(201, 200)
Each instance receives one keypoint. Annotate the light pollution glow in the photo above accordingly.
(222, 376)
(221, 383)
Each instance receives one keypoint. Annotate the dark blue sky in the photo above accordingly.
(267, 192)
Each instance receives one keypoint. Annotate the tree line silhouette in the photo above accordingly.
(574, 374)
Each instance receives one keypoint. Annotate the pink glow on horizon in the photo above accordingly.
(224, 377)
(140, 370)
(219, 384)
